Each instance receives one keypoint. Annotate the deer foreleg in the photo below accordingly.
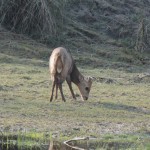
(70, 87)
(56, 91)
(61, 91)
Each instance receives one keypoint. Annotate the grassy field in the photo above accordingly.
(119, 102)
(109, 41)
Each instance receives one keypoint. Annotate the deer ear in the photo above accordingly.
(90, 78)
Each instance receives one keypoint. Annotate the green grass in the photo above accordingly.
(118, 107)
(35, 140)
(119, 101)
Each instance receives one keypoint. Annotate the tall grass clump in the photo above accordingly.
(39, 19)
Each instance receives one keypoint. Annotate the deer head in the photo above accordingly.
(85, 86)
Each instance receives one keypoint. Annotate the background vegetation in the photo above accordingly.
(64, 21)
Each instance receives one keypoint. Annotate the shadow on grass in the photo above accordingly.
(23, 61)
(115, 106)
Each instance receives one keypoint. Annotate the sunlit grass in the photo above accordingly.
(25, 91)
(117, 104)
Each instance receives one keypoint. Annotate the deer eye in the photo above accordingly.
(87, 89)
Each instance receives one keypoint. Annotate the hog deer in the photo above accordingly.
(62, 67)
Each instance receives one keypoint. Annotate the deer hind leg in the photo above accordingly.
(53, 86)
(70, 87)
(61, 91)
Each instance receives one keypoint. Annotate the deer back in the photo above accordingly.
(60, 63)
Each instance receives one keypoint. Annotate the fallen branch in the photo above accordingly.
(75, 139)
(51, 145)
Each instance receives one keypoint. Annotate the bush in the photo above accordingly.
(36, 18)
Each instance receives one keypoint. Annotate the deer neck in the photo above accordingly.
(75, 75)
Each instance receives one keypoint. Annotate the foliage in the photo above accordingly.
(142, 43)
(71, 21)
(37, 18)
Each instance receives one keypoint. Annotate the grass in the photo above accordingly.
(118, 110)
(117, 107)
(25, 140)
(119, 101)
(34, 140)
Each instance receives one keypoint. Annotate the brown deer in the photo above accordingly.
(62, 67)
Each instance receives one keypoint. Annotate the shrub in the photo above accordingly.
(36, 18)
